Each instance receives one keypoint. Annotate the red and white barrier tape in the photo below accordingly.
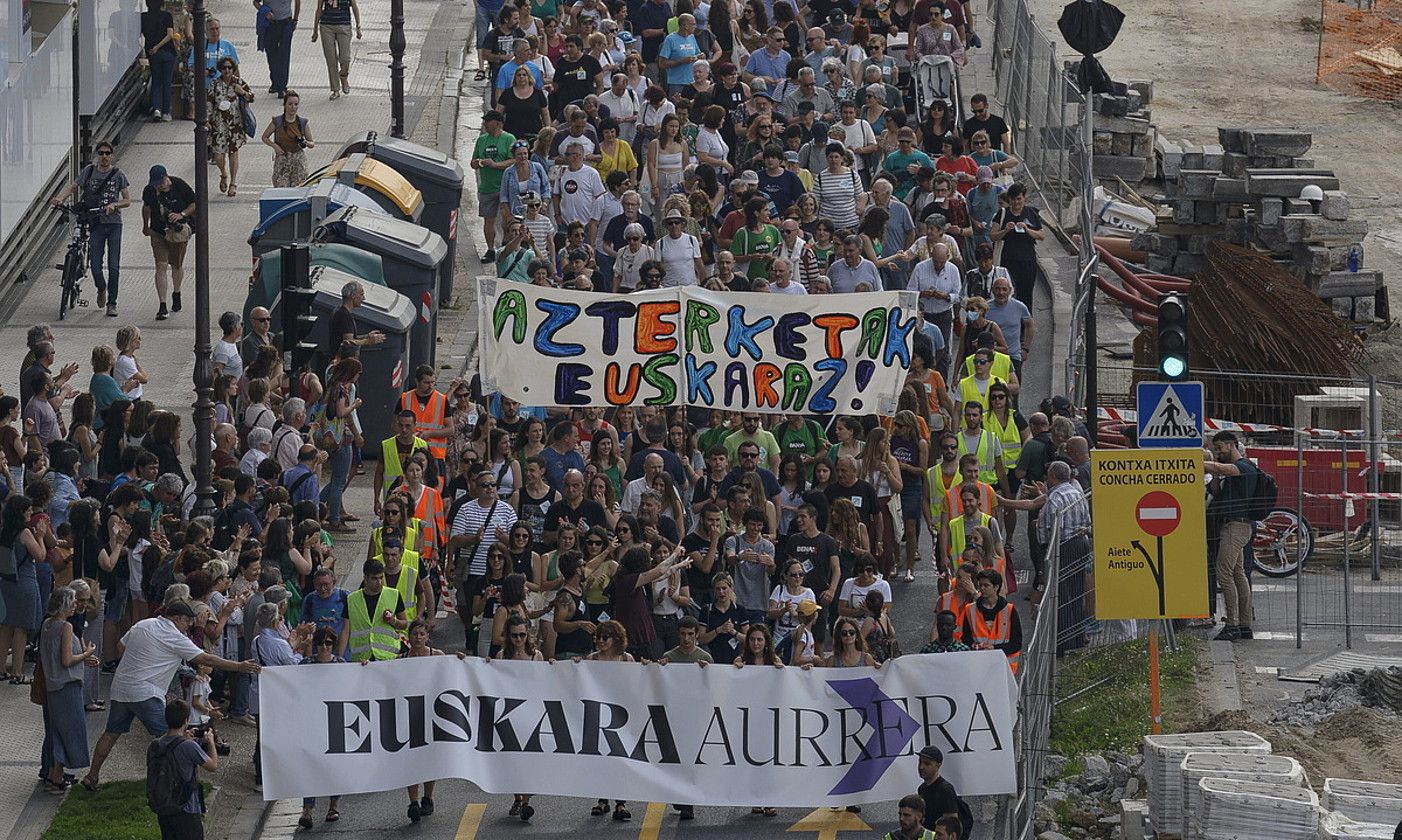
(1215, 425)
(1365, 497)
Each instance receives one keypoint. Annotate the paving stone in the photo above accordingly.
(1229, 189)
(1320, 229)
(1131, 169)
(1287, 186)
(1235, 164)
(1280, 142)
(1335, 205)
(1270, 210)
(1145, 89)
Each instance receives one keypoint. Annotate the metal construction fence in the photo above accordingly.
(1359, 42)
(1040, 105)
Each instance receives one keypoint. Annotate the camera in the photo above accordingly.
(198, 733)
(301, 141)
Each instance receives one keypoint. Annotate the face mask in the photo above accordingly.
(971, 317)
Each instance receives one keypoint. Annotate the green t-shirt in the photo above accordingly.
(747, 242)
(896, 163)
(494, 149)
(768, 446)
(713, 436)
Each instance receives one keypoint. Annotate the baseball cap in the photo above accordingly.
(747, 177)
(181, 607)
(530, 197)
(925, 172)
(158, 174)
(933, 753)
(1061, 405)
(625, 37)
(791, 157)
(984, 175)
(820, 129)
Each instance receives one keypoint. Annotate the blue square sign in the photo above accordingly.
(1170, 415)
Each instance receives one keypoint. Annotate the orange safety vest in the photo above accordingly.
(431, 417)
(996, 633)
(987, 501)
(429, 511)
(947, 601)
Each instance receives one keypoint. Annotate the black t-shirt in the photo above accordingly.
(522, 115)
(162, 204)
(575, 79)
(533, 510)
(816, 554)
(154, 26)
(670, 462)
(1232, 495)
(993, 124)
(720, 647)
(1019, 246)
(940, 800)
(342, 322)
(860, 494)
(613, 234)
(500, 42)
(700, 581)
(586, 515)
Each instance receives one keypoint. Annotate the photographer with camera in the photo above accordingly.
(173, 762)
(290, 136)
(102, 190)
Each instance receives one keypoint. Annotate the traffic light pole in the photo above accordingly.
(1088, 258)
(204, 364)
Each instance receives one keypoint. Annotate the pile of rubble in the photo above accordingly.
(1256, 189)
(1380, 690)
(1086, 805)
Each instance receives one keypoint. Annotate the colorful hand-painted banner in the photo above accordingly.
(813, 354)
(718, 735)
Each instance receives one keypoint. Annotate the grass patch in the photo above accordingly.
(1114, 713)
(116, 812)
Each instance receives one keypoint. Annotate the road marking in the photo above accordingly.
(1389, 638)
(827, 822)
(1272, 670)
(652, 821)
(471, 819)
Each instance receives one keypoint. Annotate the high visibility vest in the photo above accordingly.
(950, 601)
(936, 491)
(1010, 436)
(995, 633)
(1001, 367)
(987, 499)
(986, 471)
(408, 583)
(389, 456)
(410, 541)
(431, 417)
(925, 834)
(370, 637)
(969, 392)
(958, 535)
(428, 510)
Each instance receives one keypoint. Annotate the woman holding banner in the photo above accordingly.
(574, 631)
(519, 648)
(418, 646)
(758, 649)
(611, 645)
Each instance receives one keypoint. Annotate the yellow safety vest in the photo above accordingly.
(935, 490)
(370, 637)
(968, 391)
(1010, 436)
(389, 454)
(958, 539)
(411, 539)
(408, 583)
(987, 474)
(1001, 367)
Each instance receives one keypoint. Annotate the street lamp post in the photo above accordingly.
(396, 67)
(204, 365)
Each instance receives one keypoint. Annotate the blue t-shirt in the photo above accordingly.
(508, 72)
(783, 189)
(679, 46)
(556, 465)
(326, 612)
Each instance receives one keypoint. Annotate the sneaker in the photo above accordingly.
(415, 812)
(101, 298)
(910, 577)
(490, 256)
(161, 314)
(1244, 633)
(174, 301)
(258, 787)
(426, 805)
(686, 812)
(244, 720)
(526, 813)
(155, 116)
(110, 667)
(345, 85)
(166, 117)
(335, 94)
(111, 310)
(1228, 634)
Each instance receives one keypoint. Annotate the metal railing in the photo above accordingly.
(1041, 105)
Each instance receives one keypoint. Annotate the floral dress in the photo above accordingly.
(226, 132)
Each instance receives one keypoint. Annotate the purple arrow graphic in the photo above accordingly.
(894, 730)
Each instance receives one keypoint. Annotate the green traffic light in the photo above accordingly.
(1173, 366)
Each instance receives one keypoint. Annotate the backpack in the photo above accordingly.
(223, 536)
(167, 791)
(9, 569)
(1263, 496)
(966, 817)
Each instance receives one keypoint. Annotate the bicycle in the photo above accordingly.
(1283, 539)
(75, 260)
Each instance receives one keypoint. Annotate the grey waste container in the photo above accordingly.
(437, 176)
(385, 366)
(411, 256)
(288, 215)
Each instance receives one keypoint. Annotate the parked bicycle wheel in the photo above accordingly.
(1282, 540)
(71, 281)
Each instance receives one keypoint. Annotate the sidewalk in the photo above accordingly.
(436, 32)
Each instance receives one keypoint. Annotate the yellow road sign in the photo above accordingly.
(1150, 531)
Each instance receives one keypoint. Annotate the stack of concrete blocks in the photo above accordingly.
(1123, 137)
(1246, 190)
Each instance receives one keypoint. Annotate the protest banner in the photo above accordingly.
(717, 735)
(811, 354)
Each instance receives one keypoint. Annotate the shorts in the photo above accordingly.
(912, 501)
(151, 712)
(488, 205)
(115, 604)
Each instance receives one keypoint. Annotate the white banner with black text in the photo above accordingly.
(718, 735)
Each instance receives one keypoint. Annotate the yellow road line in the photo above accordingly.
(471, 819)
(652, 821)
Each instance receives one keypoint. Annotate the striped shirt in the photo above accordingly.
(469, 520)
(1068, 508)
(837, 197)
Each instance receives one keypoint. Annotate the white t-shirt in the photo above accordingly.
(712, 144)
(577, 191)
(155, 648)
(787, 622)
(678, 257)
(794, 288)
(226, 353)
(854, 594)
(855, 136)
(619, 107)
(605, 208)
(124, 369)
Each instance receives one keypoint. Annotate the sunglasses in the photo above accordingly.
(518, 635)
(594, 542)
(983, 361)
(262, 320)
(104, 153)
(848, 633)
(326, 643)
(673, 222)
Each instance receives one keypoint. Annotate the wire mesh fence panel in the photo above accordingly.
(1359, 45)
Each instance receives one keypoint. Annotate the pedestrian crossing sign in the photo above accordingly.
(1170, 415)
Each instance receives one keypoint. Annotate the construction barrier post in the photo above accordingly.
(1299, 544)
(1348, 546)
(1155, 710)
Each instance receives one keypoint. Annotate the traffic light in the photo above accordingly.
(1173, 337)
(298, 320)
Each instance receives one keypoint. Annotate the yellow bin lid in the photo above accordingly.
(383, 179)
